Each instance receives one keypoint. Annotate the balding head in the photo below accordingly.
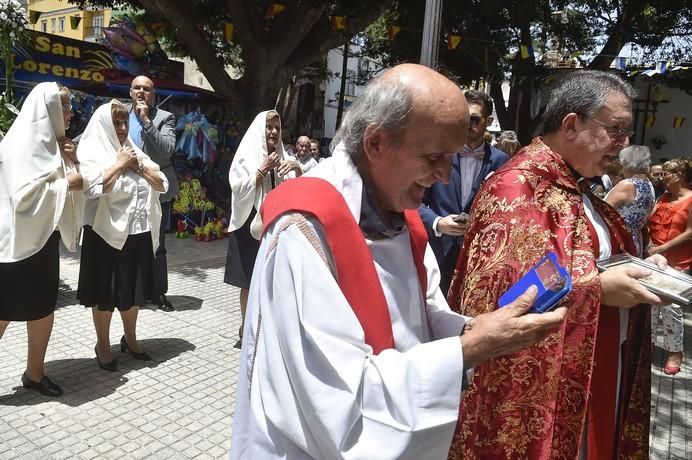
(303, 147)
(402, 132)
(433, 96)
(142, 89)
(401, 94)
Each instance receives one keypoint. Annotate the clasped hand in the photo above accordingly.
(127, 157)
(68, 149)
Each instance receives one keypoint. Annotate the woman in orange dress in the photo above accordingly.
(670, 227)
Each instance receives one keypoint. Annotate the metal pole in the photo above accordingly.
(342, 91)
(431, 33)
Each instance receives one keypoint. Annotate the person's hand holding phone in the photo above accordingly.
(453, 224)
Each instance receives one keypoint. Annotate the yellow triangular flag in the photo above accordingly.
(274, 9)
(339, 22)
(453, 41)
(228, 31)
(392, 31)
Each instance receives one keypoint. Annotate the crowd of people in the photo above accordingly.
(370, 281)
(110, 189)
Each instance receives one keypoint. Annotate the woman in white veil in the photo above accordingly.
(40, 203)
(259, 165)
(122, 218)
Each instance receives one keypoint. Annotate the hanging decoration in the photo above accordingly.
(650, 121)
(339, 23)
(136, 51)
(453, 41)
(274, 9)
(392, 31)
(526, 51)
(663, 66)
(621, 63)
(228, 31)
(197, 138)
(678, 122)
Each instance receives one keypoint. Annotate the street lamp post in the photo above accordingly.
(431, 33)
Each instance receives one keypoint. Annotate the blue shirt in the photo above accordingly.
(135, 129)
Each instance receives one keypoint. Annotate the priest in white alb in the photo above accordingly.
(350, 349)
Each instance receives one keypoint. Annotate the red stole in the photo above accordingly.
(348, 248)
(607, 435)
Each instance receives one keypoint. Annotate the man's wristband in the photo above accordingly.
(262, 174)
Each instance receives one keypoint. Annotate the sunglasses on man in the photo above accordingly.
(475, 119)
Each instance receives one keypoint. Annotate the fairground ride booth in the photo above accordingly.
(97, 73)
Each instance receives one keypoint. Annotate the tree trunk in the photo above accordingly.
(270, 62)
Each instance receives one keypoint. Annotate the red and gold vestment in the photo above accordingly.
(533, 404)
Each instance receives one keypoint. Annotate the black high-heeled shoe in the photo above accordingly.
(142, 356)
(112, 366)
(45, 386)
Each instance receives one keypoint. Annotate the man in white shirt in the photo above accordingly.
(336, 368)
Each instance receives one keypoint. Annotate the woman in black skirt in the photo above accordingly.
(122, 218)
(259, 165)
(39, 203)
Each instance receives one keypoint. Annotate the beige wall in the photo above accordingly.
(56, 14)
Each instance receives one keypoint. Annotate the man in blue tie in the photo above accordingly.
(153, 130)
(443, 205)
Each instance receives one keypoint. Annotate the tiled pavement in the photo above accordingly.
(178, 407)
(181, 405)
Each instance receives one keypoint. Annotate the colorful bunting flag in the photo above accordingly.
(228, 31)
(678, 122)
(392, 31)
(339, 22)
(663, 66)
(650, 120)
(74, 22)
(453, 41)
(621, 62)
(274, 9)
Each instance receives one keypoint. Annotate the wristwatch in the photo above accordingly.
(468, 325)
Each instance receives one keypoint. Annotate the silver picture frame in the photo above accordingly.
(669, 284)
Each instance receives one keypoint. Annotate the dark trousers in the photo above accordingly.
(447, 266)
(160, 261)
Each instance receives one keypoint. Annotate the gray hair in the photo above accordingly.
(636, 158)
(583, 92)
(385, 103)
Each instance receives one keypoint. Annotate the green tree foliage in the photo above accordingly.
(593, 31)
(268, 50)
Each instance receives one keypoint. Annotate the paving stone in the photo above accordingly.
(181, 405)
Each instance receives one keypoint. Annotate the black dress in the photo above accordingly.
(29, 287)
(110, 278)
(241, 255)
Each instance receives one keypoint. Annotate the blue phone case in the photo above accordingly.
(551, 279)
